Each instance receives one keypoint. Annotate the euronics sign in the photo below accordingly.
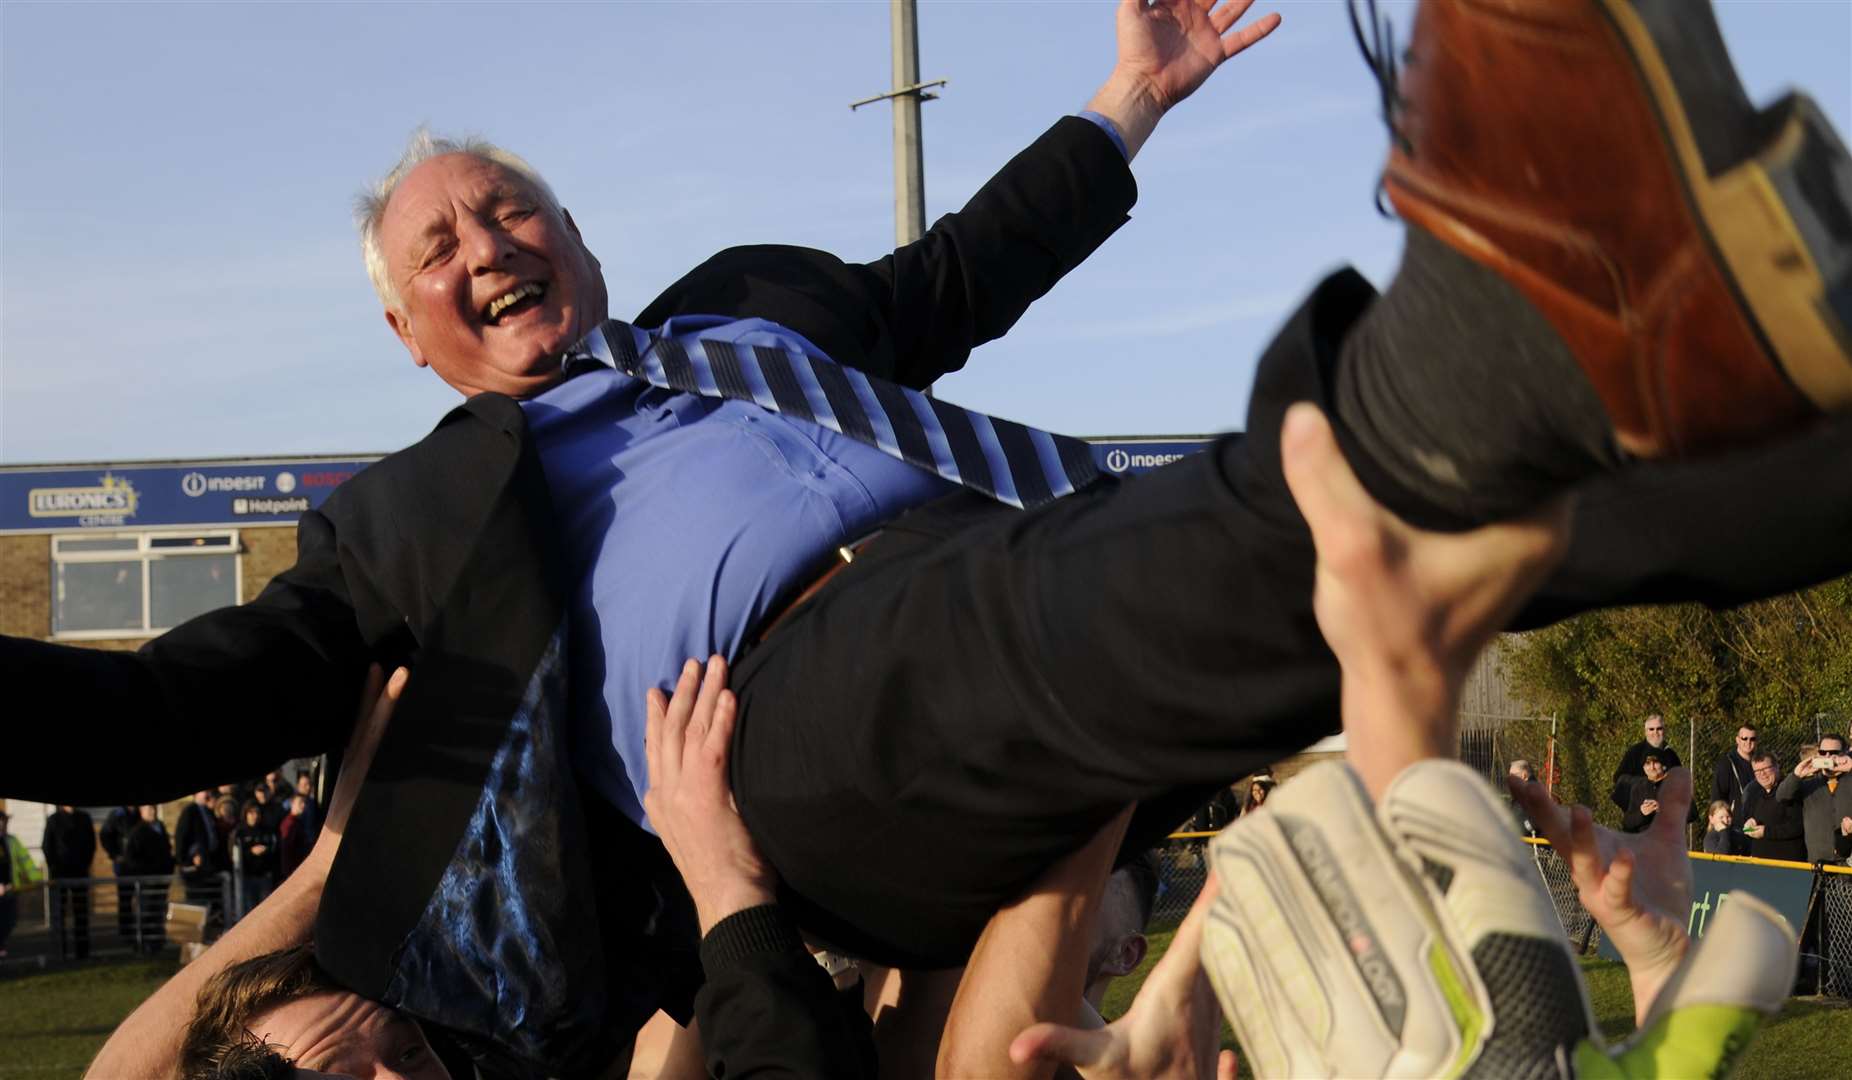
(75, 497)
(71, 498)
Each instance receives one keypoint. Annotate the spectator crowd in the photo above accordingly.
(256, 832)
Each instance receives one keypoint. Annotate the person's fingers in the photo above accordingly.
(371, 687)
(675, 720)
(720, 732)
(1070, 1046)
(1227, 15)
(1543, 811)
(713, 681)
(1226, 1066)
(1584, 861)
(382, 696)
(1674, 802)
(1617, 888)
(1177, 968)
(1250, 34)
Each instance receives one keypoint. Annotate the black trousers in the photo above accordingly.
(72, 897)
(984, 688)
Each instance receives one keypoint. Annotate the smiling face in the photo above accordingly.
(1655, 731)
(344, 1034)
(1655, 769)
(493, 280)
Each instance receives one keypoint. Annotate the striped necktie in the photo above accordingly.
(1017, 465)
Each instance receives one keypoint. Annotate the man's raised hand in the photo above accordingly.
(686, 741)
(1173, 46)
(1167, 49)
(1637, 886)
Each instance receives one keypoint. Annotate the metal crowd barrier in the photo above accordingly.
(114, 915)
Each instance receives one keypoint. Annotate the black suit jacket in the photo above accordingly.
(462, 892)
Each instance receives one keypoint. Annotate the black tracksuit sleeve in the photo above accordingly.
(768, 1010)
(222, 696)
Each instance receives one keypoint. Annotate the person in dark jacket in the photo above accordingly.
(1821, 786)
(1631, 763)
(114, 836)
(1642, 803)
(1774, 827)
(1223, 807)
(70, 845)
(225, 811)
(1734, 777)
(258, 848)
(196, 842)
(149, 853)
(268, 806)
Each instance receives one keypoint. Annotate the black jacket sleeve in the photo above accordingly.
(917, 314)
(768, 1010)
(1624, 775)
(181, 714)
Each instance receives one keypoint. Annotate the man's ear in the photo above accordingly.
(573, 227)
(1126, 956)
(402, 326)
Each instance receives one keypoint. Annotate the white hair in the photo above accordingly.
(370, 205)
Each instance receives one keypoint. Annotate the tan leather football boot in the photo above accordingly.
(1695, 254)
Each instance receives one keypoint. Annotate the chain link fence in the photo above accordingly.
(1183, 869)
(1832, 935)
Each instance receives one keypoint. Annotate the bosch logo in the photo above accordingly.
(1117, 460)
(286, 482)
(194, 484)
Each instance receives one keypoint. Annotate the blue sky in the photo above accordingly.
(179, 277)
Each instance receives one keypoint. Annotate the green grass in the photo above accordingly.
(1809, 1039)
(52, 1024)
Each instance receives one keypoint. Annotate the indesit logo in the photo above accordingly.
(1118, 460)
(108, 503)
(196, 484)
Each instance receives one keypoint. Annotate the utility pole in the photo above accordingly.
(907, 94)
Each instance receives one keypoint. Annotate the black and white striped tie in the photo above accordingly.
(1018, 465)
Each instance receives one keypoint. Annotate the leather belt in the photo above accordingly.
(845, 555)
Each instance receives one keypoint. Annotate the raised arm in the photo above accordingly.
(1030, 964)
(1166, 51)
(916, 314)
(766, 1009)
(148, 1043)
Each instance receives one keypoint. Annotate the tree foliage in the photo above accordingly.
(1784, 665)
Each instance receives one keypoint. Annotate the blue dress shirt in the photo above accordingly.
(686, 522)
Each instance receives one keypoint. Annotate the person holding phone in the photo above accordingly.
(1821, 786)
